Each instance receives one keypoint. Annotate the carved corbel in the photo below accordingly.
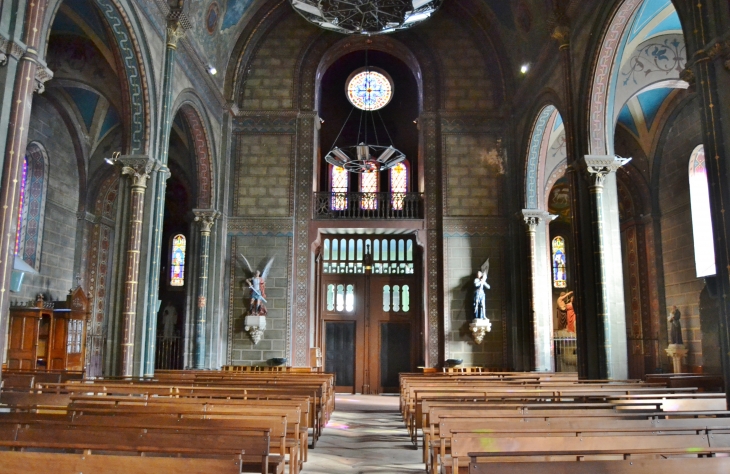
(42, 75)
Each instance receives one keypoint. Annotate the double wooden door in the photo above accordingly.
(370, 330)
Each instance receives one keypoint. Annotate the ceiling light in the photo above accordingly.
(213, 71)
(368, 17)
(525, 68)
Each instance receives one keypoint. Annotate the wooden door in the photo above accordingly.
(23, 339)
(392, 318)
(368, 311)
(57, 343)
(344, 339)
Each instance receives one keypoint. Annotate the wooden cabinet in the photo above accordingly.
(49, 336)
(28, 336)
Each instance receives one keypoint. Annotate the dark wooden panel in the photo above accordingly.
(395, 352)
(340, 352)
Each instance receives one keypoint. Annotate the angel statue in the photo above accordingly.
(256, 282)
(480, 296)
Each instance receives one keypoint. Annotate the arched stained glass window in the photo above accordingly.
(31, 205)
(699, 196)
(398, 185)
(369, 186)
(177, 262)
(21, 206)
(559, 274)
(340, 186)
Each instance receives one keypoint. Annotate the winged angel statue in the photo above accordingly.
(480, 296)
(256, 282)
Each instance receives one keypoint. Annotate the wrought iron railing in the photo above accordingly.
(566, 352)
(169, 353)
(330, 205)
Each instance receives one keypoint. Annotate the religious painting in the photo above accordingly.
(234, 12)
(559, 199)
(211, 18)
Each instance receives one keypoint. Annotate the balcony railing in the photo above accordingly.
(368, 205)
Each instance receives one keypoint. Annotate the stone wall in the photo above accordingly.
(62, 198)
(270, 83)
(264, 176)
(464, 256)
(682, 287)
(258, 250)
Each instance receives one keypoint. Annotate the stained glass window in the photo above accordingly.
(559, 275)
(386, 298)
(21, 206)
(398, 185)
(350, 299)
(369, 90)
(406, 298)
(369, 186)
(699, 196)
(330, 297)
(177, 263)
(340, 187)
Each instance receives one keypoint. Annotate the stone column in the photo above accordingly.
(175, 31)
(206, 219)
(17, 140)
(138, 169)
(608, 264)
(540, 302)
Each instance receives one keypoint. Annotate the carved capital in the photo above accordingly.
(205, 218)
(10, 49)
(600, 166)
(688, 76)
(533, 217)
(138, 168)
(561, 34)
(175, 31)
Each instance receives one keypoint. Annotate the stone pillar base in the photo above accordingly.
(479, 328)
(677, 352)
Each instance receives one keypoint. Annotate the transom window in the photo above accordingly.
(393, 256)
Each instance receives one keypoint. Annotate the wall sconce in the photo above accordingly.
(113, 160)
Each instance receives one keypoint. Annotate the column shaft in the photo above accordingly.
(134, 245)
(201, 309)
(157, 214)
(17, 140)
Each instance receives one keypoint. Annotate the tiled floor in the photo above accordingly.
(365, 435)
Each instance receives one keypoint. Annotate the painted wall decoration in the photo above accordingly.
(212, 17)
(234, 12)
(559, 199)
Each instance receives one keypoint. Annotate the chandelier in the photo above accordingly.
(369, 90)
(367, 17)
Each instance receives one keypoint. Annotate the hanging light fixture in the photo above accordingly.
(369, 90)
(367, 17)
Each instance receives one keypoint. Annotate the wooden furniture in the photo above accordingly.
(69, 333)
(28, 338)
(49, 336)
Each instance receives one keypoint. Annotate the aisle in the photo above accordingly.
(365, 435)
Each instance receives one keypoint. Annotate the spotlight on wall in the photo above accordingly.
(525, 68)
(213, 71)
(115, 157)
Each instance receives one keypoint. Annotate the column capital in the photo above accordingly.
(533, 217)
(206, 218)
(600, 166)
(42, 75)
(175, 31)
(138, 168)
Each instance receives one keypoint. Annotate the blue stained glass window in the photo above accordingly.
(369, 90)
(559, 274)
(177, 263)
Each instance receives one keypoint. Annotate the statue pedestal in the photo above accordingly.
(255, 326)
(479, 328)
(677, 352)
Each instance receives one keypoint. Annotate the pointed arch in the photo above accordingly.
(31, 211)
